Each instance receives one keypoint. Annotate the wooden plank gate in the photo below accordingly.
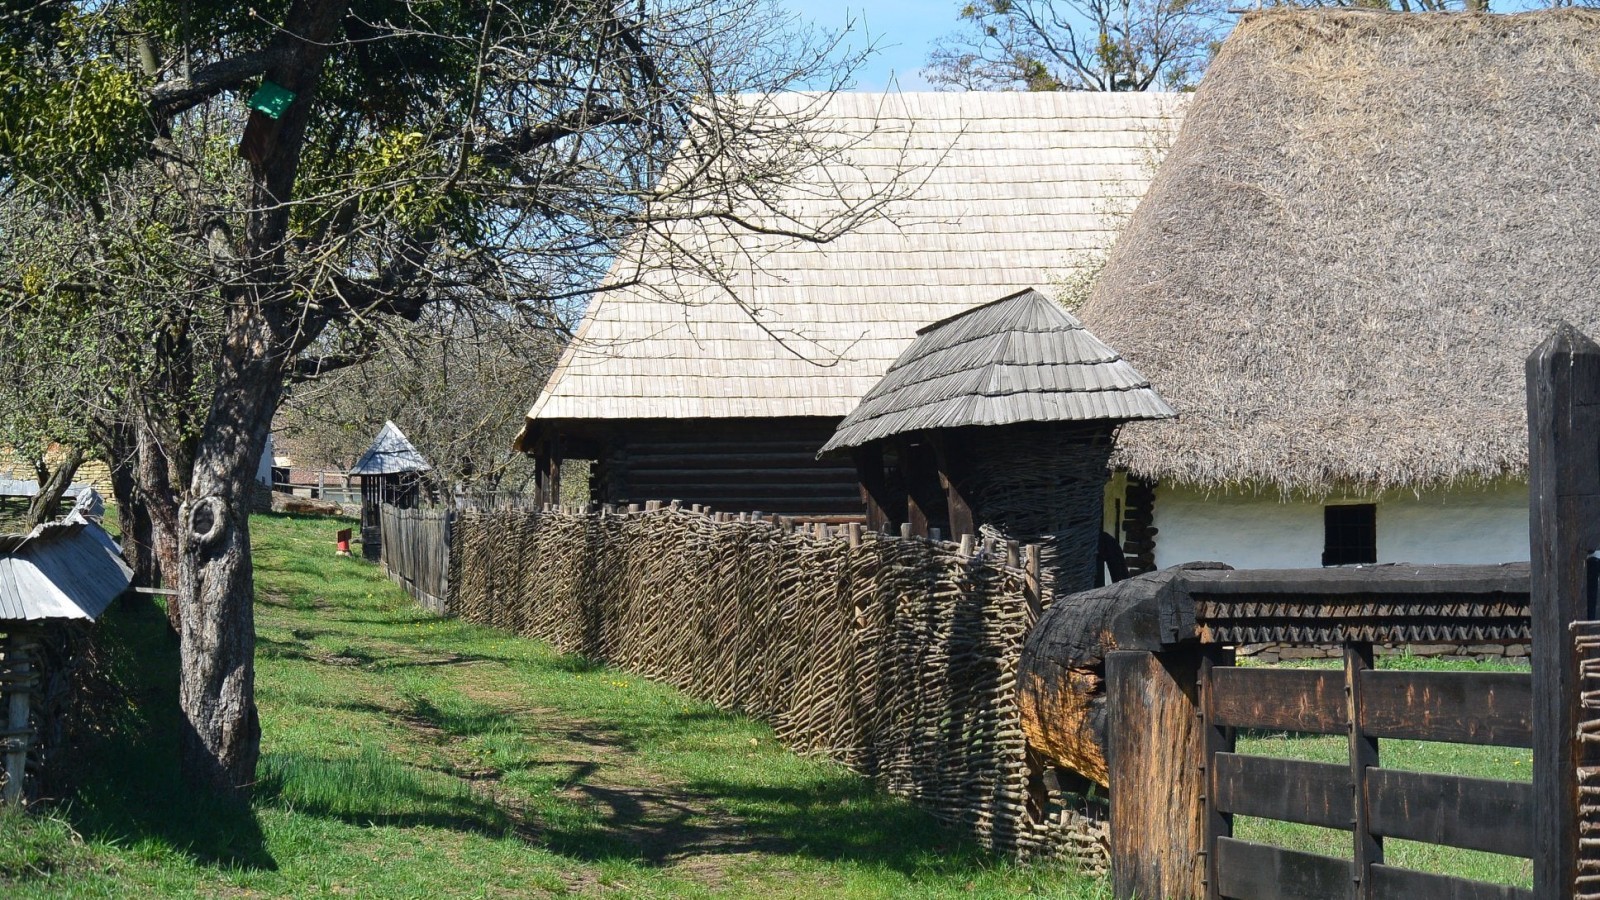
(1175, 701)
(1365, 705)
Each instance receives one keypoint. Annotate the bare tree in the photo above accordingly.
(1079, 45)
(396, 155)
(457, 383)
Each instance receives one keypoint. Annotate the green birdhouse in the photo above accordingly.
(271, 99)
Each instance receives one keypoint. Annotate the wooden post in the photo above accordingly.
(1564, 527)
(962, 520)
(884, 511)
(19, 671)
(1214, 739)
(1363, 756)
(1155, 746)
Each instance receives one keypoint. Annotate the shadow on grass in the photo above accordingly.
(130, 790)
(374, 789)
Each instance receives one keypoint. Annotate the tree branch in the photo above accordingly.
(171, 97)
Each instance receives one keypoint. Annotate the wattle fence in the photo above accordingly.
(896, 657)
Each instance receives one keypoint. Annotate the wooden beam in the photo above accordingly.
(1493, 708)
(962, 519)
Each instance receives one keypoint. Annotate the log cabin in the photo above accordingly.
(723, 395)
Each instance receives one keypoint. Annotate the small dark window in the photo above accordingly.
(1350, 534)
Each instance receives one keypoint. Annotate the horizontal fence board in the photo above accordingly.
(1247, 871)
(1306, 700)
(1471, 813)
(1285, 789)
(1390, 883)
(1493, 708)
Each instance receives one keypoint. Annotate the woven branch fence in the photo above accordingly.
(896, 657)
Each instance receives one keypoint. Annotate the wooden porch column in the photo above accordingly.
(874, 483)
(1564, 527)
(547, 472)
(962, 520)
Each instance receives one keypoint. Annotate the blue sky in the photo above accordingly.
(903, 30)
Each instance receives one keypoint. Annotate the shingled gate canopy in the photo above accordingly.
(1021, 358)
(390, 453)
(722, 393)
(1001, 416)
(1365, 225)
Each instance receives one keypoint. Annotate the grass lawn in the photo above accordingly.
(1418, 756)
(408, 756)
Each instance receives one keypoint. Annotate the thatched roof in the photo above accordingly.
(390, 454)
(1009, 189)
(1019, 359)
(1366, 224)
(60, 570)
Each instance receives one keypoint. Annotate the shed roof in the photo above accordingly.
(60, 570)
(1011, 188)
(1366, 224)
(1019, 359)
(390, 454)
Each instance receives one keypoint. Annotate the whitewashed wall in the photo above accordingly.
(1260, 531)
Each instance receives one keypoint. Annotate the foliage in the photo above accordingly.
(1071, 45)
(436, 155)
(457, 384)
(411, 756)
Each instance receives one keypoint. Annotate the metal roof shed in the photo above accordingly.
(1004, 415)
(59, 571)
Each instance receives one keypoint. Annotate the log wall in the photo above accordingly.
(895, 657)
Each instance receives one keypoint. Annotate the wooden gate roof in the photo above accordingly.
(1021, 358)
(390, 454)
(1010, 188)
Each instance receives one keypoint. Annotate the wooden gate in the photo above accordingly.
(1174, 701)
(1365, 705)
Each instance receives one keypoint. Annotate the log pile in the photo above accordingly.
(896, 657)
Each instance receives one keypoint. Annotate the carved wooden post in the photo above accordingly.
(1155, 746)
(1564, 489)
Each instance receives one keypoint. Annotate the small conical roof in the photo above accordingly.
(1019, 359)
(390, 454)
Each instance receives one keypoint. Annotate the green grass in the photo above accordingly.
(408, 756)
(1417, 756)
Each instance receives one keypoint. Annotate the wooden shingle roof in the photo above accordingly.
(62, 570)
(1012, 188)
(1019, 359)
(389, 454)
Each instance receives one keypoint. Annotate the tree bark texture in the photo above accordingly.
(216, 587)
(222, 733)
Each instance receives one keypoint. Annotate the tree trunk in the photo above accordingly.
(133, 514)
(154, 475)
(53, 486)
(222, 735)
